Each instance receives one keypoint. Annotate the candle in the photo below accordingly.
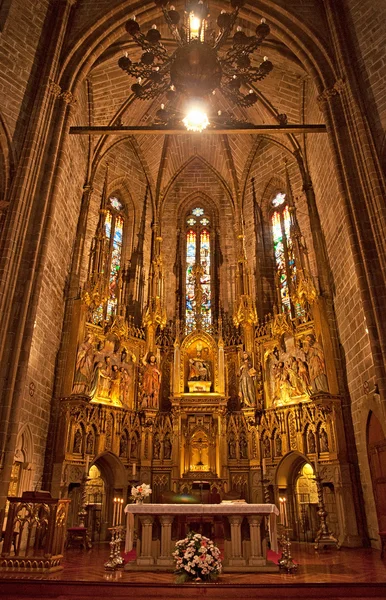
(281, 511)
(120, 521)
(285, 512)
(264, 465)
(87, 464)
(134, 471)
(316, 465)
(115, 506)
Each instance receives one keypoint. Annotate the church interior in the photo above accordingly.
(192, 268)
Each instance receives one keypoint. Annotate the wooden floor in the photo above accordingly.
(325, 575)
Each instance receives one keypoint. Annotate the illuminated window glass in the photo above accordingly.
(115, 265)
(197, 212)
(284, 258)
(190, 279)
(113, 228)
(115, 203)
(278, 200)
(198, 288)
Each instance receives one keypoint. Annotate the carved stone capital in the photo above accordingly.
(55, 89)
(331, 92)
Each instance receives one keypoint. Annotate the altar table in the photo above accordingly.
(244, 555)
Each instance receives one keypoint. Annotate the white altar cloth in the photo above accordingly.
(238, 508)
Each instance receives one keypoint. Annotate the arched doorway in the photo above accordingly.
(95, 502)
(107, 480)
(376, 452)
(295, 482)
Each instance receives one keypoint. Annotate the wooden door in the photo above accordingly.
(376, 450)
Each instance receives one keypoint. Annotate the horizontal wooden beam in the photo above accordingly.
(162, 130)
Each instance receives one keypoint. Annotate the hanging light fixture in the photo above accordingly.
(201, 64)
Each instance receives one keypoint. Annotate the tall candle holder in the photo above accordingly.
(115, 560)
(324, 536)
(82, 514)
(285, 562)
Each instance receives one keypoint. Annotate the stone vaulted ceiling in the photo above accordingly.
(283, 91)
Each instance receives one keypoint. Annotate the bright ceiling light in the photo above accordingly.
(196, 120)
(195, 24)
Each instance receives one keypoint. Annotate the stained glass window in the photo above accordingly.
(205, 278)
(190, 279)
(113, 229)
(115, 265)
(282, 243)
(198, 273)
(115, 203)
(197, 212)
(278, 200)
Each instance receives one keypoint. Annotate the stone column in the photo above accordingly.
(146, 558)
(236, 558)
(256, 558)
(165, 558)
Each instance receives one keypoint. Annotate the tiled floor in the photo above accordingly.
(330, 566)
(336, 570)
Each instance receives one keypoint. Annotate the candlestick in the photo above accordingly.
(134, 471)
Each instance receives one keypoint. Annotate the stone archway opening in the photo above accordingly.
(107, 480)
(295, 482)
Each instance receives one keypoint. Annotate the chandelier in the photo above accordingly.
(206, 59)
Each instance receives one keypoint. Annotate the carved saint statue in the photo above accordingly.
(247, 374)
(232, 447)
(151, 383)
(316, 364)
(199, 368)
(77, 447)
(267, 447)
(123, 446)
(124, 392)
(84, 366)
(323, 440)
(243, 444)
(156, 446)
(311, 442)
(116, 377)
(167, 446)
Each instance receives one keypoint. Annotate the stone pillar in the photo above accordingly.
(256, 558)
(165, 558)
(146, 558)
(236, 558)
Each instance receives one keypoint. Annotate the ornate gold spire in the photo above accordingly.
(96, 289)
(245, 308)
(303, 290)
(155, 314)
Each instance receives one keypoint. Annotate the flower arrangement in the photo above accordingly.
(197, 558)
(140, 492)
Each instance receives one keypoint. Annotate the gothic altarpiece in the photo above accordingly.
(235, 404)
